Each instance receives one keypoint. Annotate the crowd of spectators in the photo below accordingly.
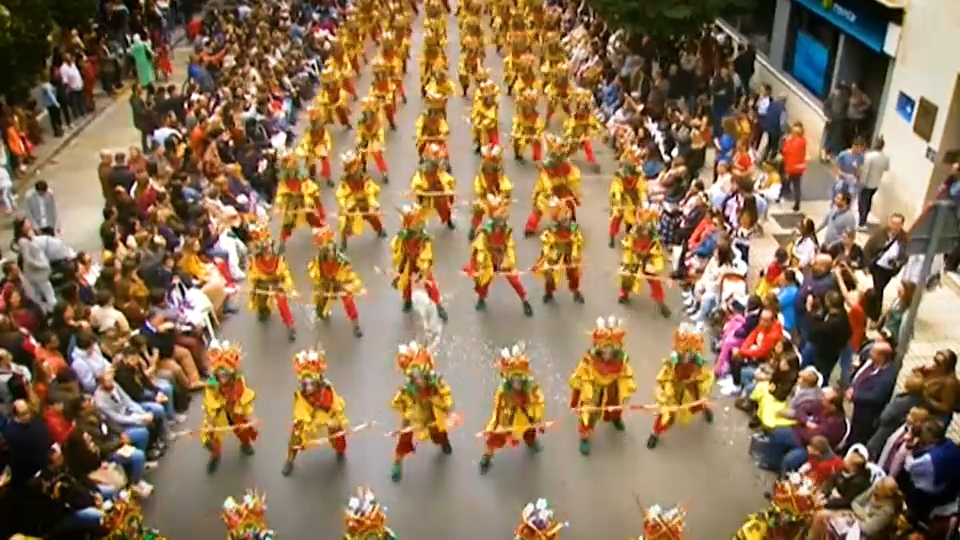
(823, 304)
(100, 354)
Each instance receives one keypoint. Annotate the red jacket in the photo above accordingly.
(760, 343)
(58, 426)
(701, 232)
(822, 470)
(794, 152)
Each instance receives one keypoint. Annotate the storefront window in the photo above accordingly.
(757, 25)
(811, 50)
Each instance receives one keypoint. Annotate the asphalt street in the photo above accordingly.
(704, 468)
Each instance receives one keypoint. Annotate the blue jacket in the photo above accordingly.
(709, 244)
(770, 122)
(788, 299)
(873, 389)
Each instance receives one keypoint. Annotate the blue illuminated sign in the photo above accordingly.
(854, 18)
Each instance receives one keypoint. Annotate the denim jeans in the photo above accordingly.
(139, 437)
(707, 304)
(156, 409)
(746, 379)
(107, 492)
(135, 464)
(166, 388)
(794, 460)
(89, 515)
(780, 442)
(846, 367)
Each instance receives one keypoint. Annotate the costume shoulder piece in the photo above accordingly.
(663, 524)
(246, 518)
(364, 516)
(123, 518)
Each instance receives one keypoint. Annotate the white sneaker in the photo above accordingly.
(726, 380)
(179, 418)
(150, 465)
(143, 489)
(731, 390)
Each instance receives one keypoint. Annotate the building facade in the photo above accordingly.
(904, 54)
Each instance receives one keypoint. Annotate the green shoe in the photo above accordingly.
(619, 425)
(212, 465)
(246, 450)
(382, 234)
(481, 304)
(446, 449)
(547, 298)
(585, 447)
(612, 242)
(652, 441)
(396, 472)
(472, 234)
(442, 313)
(578, 297)
(407, 306)
(527, 308)
(535, 448)
(287, 468)
(708, 416)
(485, 463)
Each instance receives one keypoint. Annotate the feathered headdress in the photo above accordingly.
(364, 516)
(352, 162)
(559, 209)
(687, 342)
(123, 517)
(608, 332)
(259, 234)
(663, 524)
(411, 216)
(435, 102)
(224, 356)
(513, 361)
(647, 215)
(537, 521)
(489, 89)
(309, 364)
(246, 519)
(413, 357)
(495, 206)
(324, 237)
(491, 156)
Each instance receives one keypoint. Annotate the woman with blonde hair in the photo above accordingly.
(873, 513)
(207, 276)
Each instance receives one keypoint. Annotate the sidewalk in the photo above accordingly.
(938, 319)
(51, 147)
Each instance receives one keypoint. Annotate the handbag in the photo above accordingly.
(110, 475)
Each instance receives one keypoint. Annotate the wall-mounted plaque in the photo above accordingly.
(924, 119)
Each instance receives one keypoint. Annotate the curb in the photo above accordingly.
(32, 176)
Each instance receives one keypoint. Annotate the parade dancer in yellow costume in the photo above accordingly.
(358, 197)
(424, 404)
(334, 279)
(558, 89)
(246, 519)
(316, 406)
(370, 137)
(490, 180)
(551, 51)
(471, 61)
(315, 147)
(561, 253)
(494, 255)
(432, 128)
(683, 384)
(518, 407)
(527, 75)
(628, 193)
(433, 60)
(518, 44)
(412, 257)
(433, 186)
(485, 117)
(382, 92)
(442, 86)
(391, 57)
(580, 127)
(269, 278)
(341, 62)
(298, 198)
(642, 260)
(353, 40)
(365, 518)
(602, 383)
(227, 403)
(333, 101)
(527, 127)
(538, 522)
(500, 25)
(558, 179)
